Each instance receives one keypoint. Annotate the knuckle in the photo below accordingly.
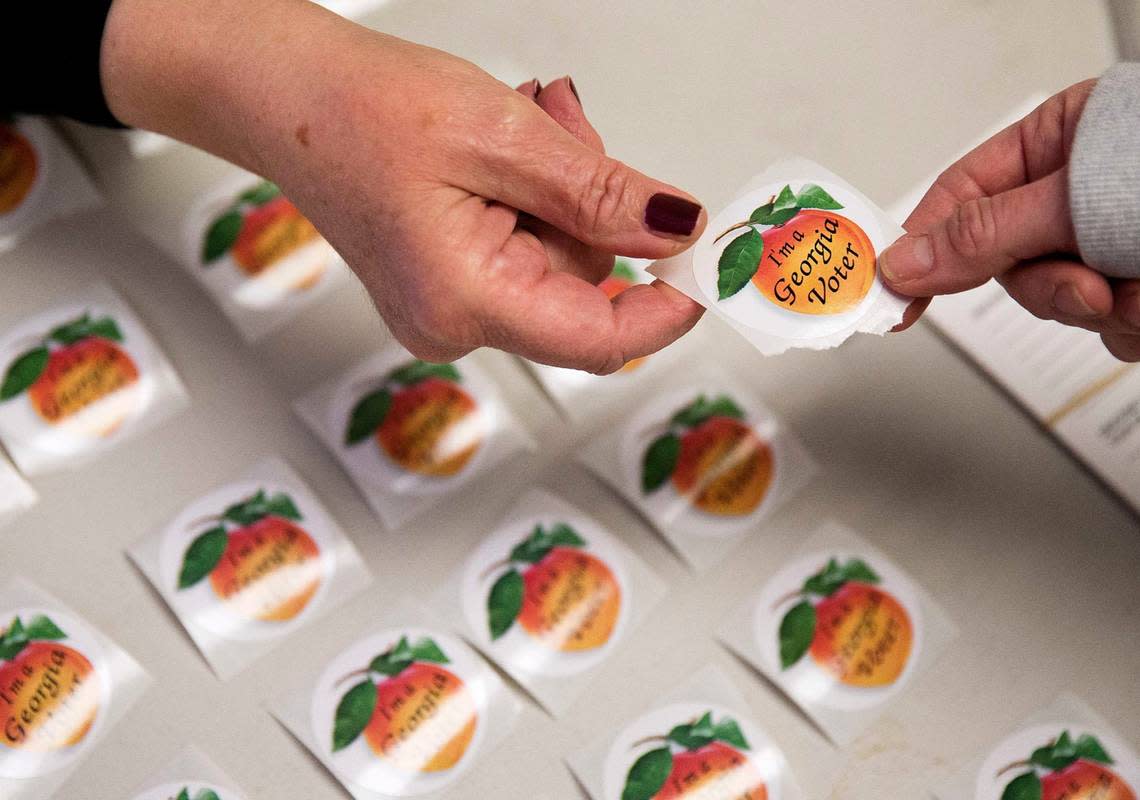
(972, 231)
(602, 193)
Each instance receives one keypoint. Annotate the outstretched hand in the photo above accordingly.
(1002, 212)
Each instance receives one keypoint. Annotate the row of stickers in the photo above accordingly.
(407, 708)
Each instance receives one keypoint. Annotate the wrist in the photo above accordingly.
(211, 73)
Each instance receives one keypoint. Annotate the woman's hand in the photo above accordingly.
(1003, 212)
(474, 214)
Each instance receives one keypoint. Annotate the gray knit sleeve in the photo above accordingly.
(1104, 175)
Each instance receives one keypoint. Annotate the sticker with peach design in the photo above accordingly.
(19, 167)
(77, 377)
(53, 691)
(691, 750)
(851, 627)
(258, 558)
(420, 418)
(711, 457)
(400, 713)
(790, 261)
(547, 595)
(1066, 768)
(270, 244)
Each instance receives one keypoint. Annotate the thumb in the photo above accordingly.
(982, 238)
(600, 201)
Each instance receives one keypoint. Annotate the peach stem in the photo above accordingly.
(354, 674)
(648, 740)
(194, 523)
(1014, 765)
(739, 225)
(506, 562)
(792, 595)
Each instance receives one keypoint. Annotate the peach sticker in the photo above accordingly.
(19, 168)
(792, 262)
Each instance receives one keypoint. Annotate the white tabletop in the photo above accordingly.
(1032, 557)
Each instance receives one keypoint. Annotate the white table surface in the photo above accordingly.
(1035, 561)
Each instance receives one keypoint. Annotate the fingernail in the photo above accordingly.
(909, 258)
(532, 87)
(668, 213)
(574, 89)
(1069, 301)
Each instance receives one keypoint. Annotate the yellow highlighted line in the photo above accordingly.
(1086, 394)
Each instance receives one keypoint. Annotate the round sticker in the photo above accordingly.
(248, 561)
(21, 170)
(547, 594)
(700, 454)
(55, 689)
(413, 427)
(691, 750)
(401, 712)
(795, 260)
(253, 246)
(839, 630)
(1059, 762)
(74, 380)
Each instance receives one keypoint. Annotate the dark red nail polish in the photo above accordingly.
(574, 89)
(537, 87)
(667, 213)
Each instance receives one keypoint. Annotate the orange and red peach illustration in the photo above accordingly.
(421, 418)
(808, 259)
(1067, 769)
(712, 457)
(559, 593)
(48, 689)
(413, 712)
(74, 366)
(259, 229)
(853, 629)
(261, 563)
(702, 758)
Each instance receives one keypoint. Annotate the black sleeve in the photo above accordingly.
(50, 60)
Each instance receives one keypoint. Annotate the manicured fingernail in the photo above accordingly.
(668, 213)
(909, 258)
(531, 88)
(574, 89)
(1069, 301)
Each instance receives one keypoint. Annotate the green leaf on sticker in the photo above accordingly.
(738, 262)
(728, 731)
(353, 713)
(417, 371)
(207, 794)
(259, 506)
(1090, 749)
(797, 629)
(622, 269)
(541, 541)
(659, 462)
(648, 774)
(202, 556)
(768, 215)
(41, 628)
(13, 640)
(785, 200)
(184, 794)
(85, 328)
(23, 372)
(367, 415)
(504, 602)
(221, 236)
(834, 576)
(401, 656)
(1023, 787)
(261, 194)
(703, 409)
(813, 196)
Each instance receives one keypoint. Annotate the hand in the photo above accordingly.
(473, 214)
(1002, 212)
